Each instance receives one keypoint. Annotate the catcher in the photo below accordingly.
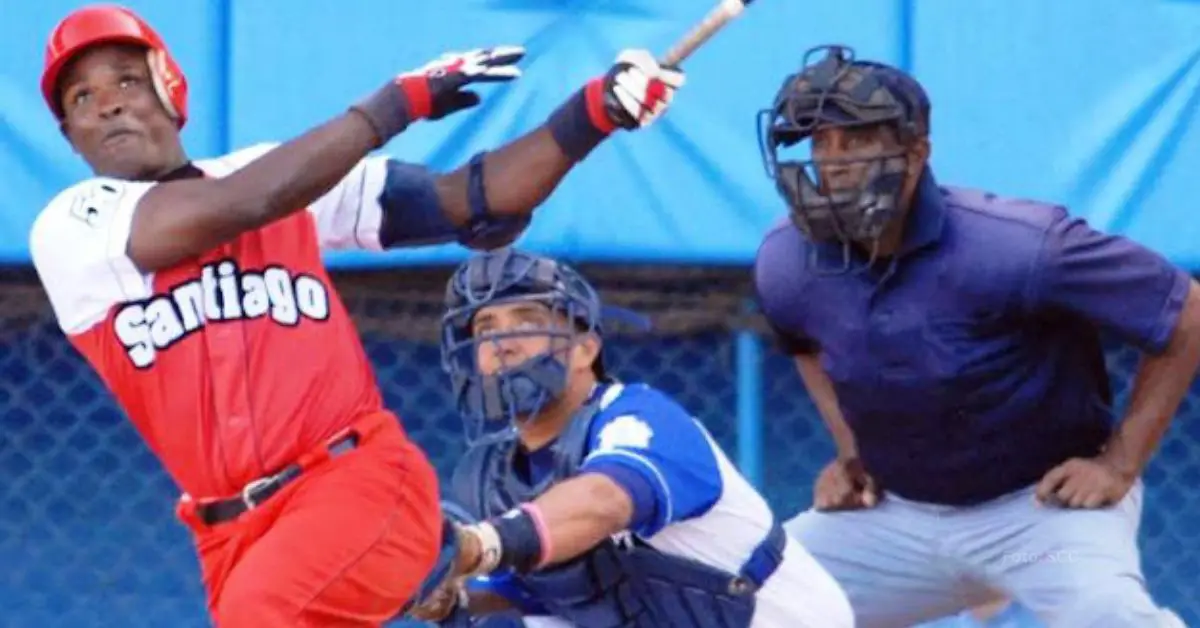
(598, 503)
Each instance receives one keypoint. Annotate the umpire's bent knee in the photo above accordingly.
(1123, 603)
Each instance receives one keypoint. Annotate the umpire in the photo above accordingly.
(950, 339)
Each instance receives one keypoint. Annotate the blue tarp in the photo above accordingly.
(1092, 104)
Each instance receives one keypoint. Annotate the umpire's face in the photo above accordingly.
(508, 334)
(844, 154)
(854, 159)
(113, 116)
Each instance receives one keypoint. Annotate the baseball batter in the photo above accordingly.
(950, 339)
(197, 292)
(600, 504)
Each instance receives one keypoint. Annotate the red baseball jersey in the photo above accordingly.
(232, 364)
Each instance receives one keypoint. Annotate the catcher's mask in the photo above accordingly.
(493, 405)
(839, 91)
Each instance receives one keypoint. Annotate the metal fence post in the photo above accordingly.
(748, 363)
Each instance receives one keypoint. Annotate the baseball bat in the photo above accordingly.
(716, 19)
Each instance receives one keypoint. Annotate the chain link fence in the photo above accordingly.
(87, 531)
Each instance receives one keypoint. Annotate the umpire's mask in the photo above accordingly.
(550, 303)
(848, 199)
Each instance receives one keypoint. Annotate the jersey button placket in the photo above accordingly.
(228, 359)
(880, 329)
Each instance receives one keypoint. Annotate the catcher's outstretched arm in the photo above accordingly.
(564, 522)
(579, 513)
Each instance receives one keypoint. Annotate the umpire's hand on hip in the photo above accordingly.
(845, 485)
(1084, 483)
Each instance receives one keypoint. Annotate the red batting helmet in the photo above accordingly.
(102, 24)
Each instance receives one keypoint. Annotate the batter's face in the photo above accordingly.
(514, 330)
(113, 116)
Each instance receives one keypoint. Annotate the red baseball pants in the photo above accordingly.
(345, 544)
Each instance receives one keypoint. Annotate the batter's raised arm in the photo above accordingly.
(179, 219)
(494, 195)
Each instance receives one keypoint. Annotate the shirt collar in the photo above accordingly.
(926, 222)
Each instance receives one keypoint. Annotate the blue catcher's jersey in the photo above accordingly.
(689, 501)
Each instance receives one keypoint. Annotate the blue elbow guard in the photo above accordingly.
(485, 231)
(412, 212)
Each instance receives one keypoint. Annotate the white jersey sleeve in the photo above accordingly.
(348, 216)
(79, 242)
(79, 248)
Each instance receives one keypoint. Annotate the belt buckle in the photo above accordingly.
(253, 487)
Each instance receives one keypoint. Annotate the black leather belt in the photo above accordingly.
(260, 490)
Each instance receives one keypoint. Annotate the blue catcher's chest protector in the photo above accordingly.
(614, 584)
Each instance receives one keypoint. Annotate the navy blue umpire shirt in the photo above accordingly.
(970, 364)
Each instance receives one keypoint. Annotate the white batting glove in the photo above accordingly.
(632, 94)
(637, 90)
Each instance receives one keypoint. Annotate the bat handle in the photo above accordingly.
(716, 18)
